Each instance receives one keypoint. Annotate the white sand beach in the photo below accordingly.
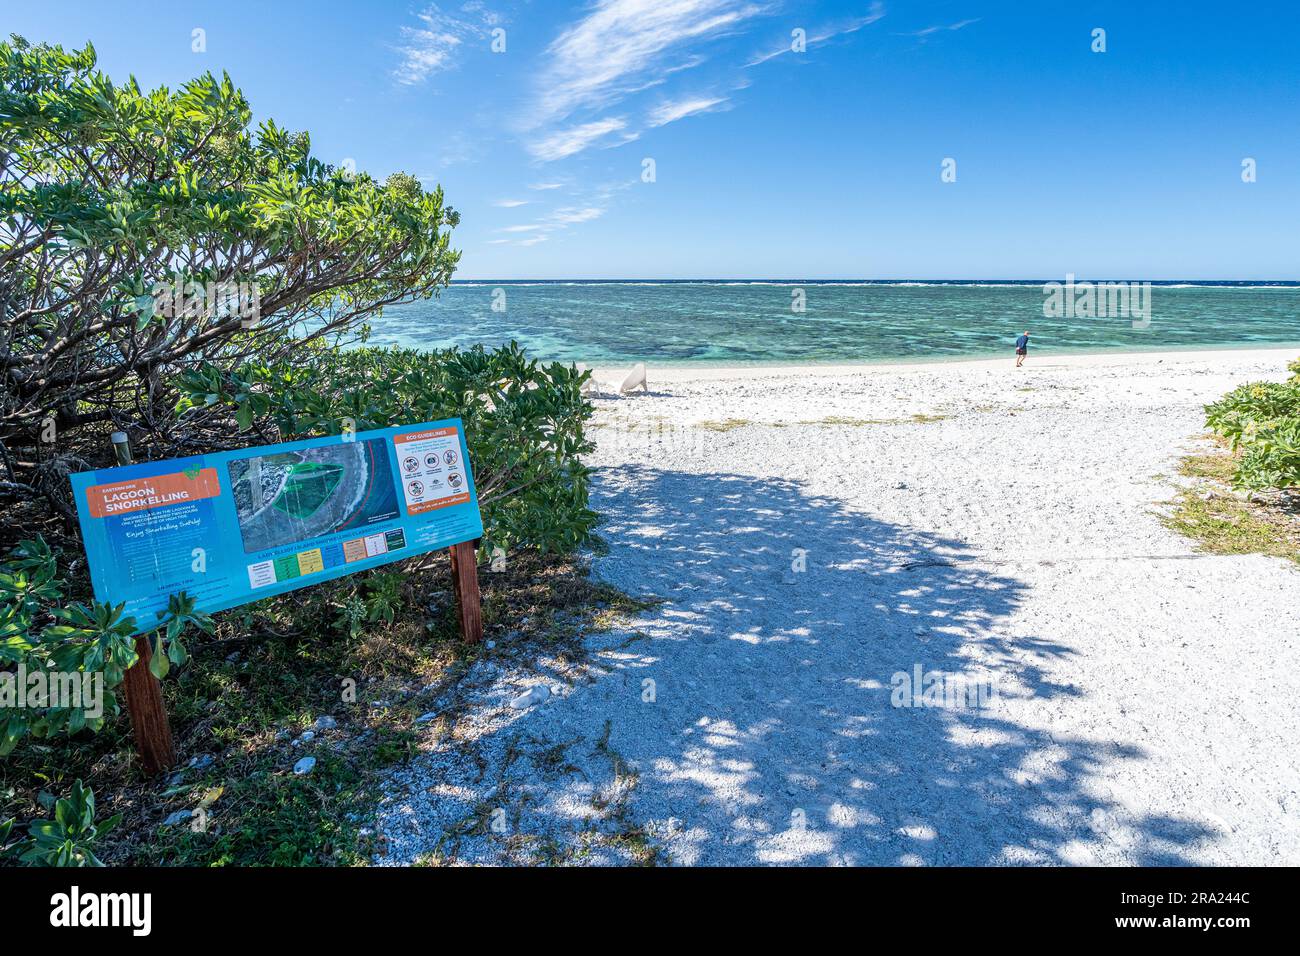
(815, 531)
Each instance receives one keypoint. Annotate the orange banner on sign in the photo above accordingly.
(419, 436)
(420, 507)
(158, 491)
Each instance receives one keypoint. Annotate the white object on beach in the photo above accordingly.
(594, 386)
(537, 694)
(634, 378)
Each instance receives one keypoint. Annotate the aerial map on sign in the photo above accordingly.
(294, 496)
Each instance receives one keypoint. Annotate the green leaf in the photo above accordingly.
(159, 663)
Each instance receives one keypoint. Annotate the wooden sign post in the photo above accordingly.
(149, 724)
(144, 702)
(153, 734)
(464, 575)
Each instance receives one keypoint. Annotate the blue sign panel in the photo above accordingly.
(237, 526)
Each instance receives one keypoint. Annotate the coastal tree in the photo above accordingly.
(144, 232)
(168, 270)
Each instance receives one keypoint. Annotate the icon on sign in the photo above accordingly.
(415, 488)
(450, 457)
(454, 480)
(411, 463)
(431, 459)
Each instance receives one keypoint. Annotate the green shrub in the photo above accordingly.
(524, 421)
(66, 840)
(106, 191)
(115, 201)
(1261, 420)
(42, 634)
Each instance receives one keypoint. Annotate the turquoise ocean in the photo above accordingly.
(739, 322)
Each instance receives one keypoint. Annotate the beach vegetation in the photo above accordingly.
(1223, 524)
(170, 270)
(62, 659)
(145, 232)
(1261, 423)
(730, 424)
(250, 704)
(1224, 520)
(67, 840)
(525, 422)
(833, 421)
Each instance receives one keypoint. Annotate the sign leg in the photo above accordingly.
(464, 574)
(153, 734)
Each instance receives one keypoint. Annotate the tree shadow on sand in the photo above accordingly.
(751, 718)
(774, 734)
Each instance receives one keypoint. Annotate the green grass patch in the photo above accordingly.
(918, 418)
(840, 421)
(1222, 521)
(1216, 466)
(731, 424)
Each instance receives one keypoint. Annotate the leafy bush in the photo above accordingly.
(1262, 421)
(524, 422)
(106, 192)
(41, 634)
(113, 199)
(68, 839)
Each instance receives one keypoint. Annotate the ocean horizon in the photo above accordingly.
(761, 321)
(1236, 283)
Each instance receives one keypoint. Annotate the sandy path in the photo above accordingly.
(1142, 702)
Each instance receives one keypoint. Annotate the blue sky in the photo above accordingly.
(771, 162)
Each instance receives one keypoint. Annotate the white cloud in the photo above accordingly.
(556, 221)
(621, 47)
(546, 186)
(571, 215)
(620, 42)
(574, 139)
(429, 48)
(624, 138)
(509, 203)
(876, 12)
(951, 26)
(687, 64)
(530, 241)
(426, 53)
(666, 113)
(480, 9)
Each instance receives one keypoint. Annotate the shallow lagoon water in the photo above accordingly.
(737, 322)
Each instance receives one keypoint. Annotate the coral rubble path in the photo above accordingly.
(811, 537)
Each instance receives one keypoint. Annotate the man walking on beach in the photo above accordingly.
(1022, 349)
